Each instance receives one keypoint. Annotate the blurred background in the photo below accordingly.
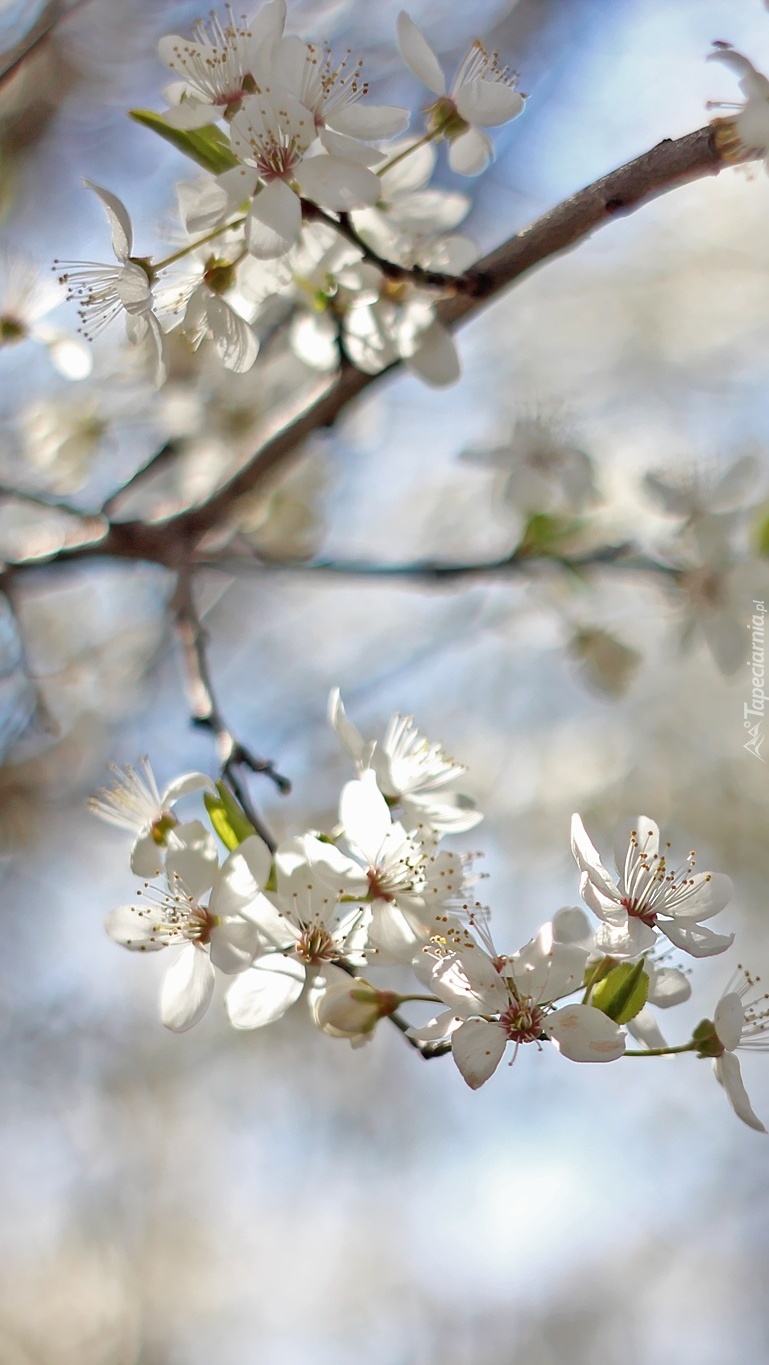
(277, 1196)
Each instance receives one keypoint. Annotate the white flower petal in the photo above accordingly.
(262, 994)
(628, 940)
(488, 103)
(337, 183)
(130, 926)
(478, 1048)
(435, 356)
(351, 737)
(191, 114)
(728, 1020)
(119, 220)
(243, 875)
(146, 857)
(235, 342)
(727, 1070)
(585, 1034)
(369, 122)
(668, 986)
(589, 861)
(645, 1029)
(419, 56)
(274, 221)
(365, 816)
(182, 786)
(234, 945)
(470, 153)
(695, 939)
(187, 989)
(192, 858)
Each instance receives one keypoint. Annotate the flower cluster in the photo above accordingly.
(317, 918)
(294, 151)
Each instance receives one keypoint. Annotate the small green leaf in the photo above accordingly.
(760, 533)
(227, 818)
(207, 146)
(623, 993)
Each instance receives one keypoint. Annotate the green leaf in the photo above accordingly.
(623, 993)
(207, 146)
(227, 818)
(760, 533)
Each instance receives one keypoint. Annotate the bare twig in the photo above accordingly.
(205, 712)
(53, 14)
(467, 283)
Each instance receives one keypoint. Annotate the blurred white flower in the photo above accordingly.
(538, 470)
(649, 896)
(483, 96)
(745, 134)
(707, 501)
(25, 299)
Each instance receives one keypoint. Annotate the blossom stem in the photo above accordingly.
(191, 246)
(691, 1046)
(422, 142)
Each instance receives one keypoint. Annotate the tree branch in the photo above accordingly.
(664, 167)
(205, 713)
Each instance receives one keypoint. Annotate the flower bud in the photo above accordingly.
(351, 1008)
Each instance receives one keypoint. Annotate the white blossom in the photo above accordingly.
(218, 69)
(483, 95)
(211, 935)
(648, 896)
(410, 770)
(333, 95)
(740, 1024)
(306, 925)
(135, 803)
(25, 300)
(497, 1000)
(745, 134)
(102, 292)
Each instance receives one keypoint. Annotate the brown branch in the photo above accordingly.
(433, 573)
(664, 167)
(204, 709)
(469, 282)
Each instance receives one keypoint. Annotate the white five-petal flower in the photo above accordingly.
(211, 935)
(648, 896)
(497, 1000)
(220, 66)
(483, 96)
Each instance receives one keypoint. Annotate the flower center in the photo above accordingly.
(523, 1021)
(316, 945)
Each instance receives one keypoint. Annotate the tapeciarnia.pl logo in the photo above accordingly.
(754, 710)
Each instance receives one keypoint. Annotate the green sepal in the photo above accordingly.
(708, 1042)
(227, 818)
(549, 535)
(623, 993)
(207, 146)
(760, 532)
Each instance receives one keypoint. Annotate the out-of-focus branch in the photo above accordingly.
(173, 541)
(204, 710)
(52, 15)
(431, 573)
(664, 167)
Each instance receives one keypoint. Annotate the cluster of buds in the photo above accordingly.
(314, 920)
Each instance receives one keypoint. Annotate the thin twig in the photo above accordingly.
(467, 283)
(426, 1050)
(205, 713)
(429, 572)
